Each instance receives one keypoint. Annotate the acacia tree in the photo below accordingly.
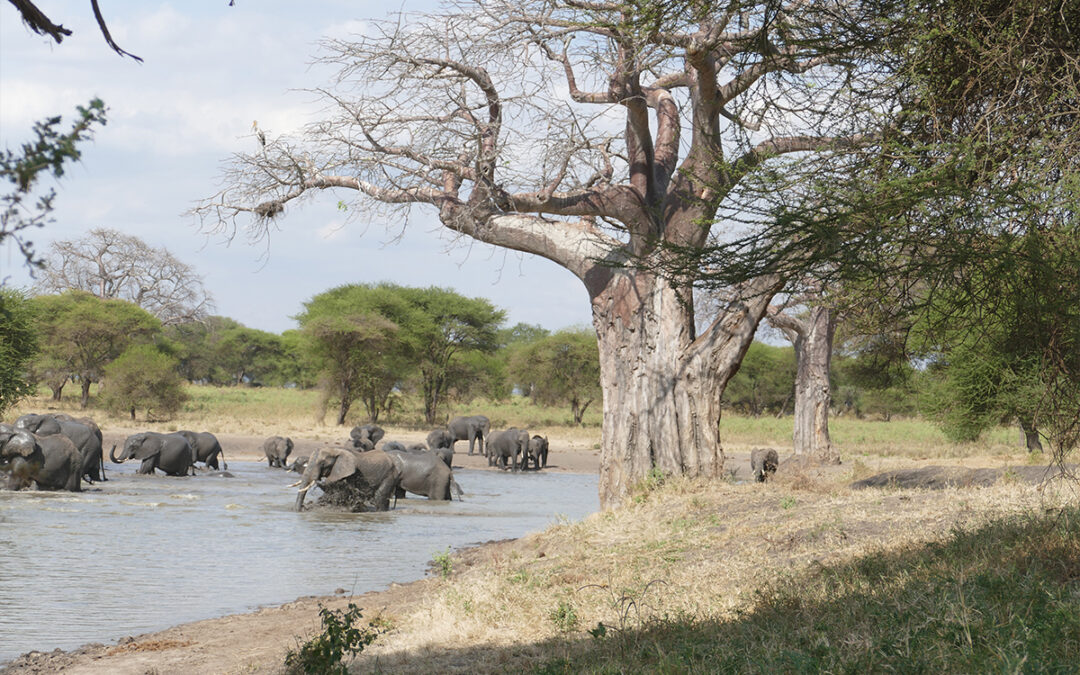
(86, 333)
(592, 134)
(18, 346)
(111, 264)
(560, 368)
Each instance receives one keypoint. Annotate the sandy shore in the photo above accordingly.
(256, 642)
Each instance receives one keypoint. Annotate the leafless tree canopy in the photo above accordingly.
(587, 132)
(110, 264)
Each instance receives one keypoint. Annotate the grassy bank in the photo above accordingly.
(806, 577)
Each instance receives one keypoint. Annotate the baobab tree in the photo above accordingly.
(597, 135)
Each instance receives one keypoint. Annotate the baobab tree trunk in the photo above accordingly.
(661, 386)
(813, 339)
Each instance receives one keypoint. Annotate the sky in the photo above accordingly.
(209, 72)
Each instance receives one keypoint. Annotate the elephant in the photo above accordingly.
(277, 449)
(763, 462)
(169, 452)
(207, 448)
(472, 429)
(441, 443)
(423, 473)
(506, 446)
(359, 480)
(537, 453)
(365, 437)
(298, 465)
(83, 432)
(51, 462)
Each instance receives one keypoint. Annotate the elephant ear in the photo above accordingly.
(22, 443)
(344, 466)
(148, 448)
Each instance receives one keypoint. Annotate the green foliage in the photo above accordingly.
(442, 562)
(560, 368)
(19, 344)
(765, 382)
(565, 617)
(145, 378)
(341, 637)
(48, 152)
(83, 333)
(1001, 598)
(248, 354)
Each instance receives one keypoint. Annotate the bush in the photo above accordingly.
(324, 652)
(143, 377)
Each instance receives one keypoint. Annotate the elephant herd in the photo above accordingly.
(60, 452)
(360, 476)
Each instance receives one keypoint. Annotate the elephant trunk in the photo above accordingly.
(112, 455)
(310, 475)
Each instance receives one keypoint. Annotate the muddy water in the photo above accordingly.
(142, 553)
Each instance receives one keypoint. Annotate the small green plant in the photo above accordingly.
(341, 636)
(565, 617)
(787, 502)
(442, 563)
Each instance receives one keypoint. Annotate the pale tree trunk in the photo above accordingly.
(1031, 436)
(813, 338)
(662, 388)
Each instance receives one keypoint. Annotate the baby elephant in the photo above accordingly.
(763, 462)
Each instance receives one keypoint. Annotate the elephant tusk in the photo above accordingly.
(296, 484)
(305, 489)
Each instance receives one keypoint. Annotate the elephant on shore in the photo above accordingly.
(83, 432)
(472, 429)
(51, 462)
(169, 452)
(207, 448)
(423, 473)
(537, 453)
(365, 437)
(277, 449)
(358, 481)
(505, 447)
(763, 463)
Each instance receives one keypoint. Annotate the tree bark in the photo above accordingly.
(85, 400)
(813, 338)
(1031, 436)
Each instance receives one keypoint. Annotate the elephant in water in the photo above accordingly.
(83, 432)
(472, 429)
(277, 449)
(51, 462)
(169, 452)
(207, 448)
(507, 446)
(423, 473)
(441, 443)
(359, 481)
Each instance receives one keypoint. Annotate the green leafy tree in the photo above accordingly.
(563, 368)
(85, 333)
(297, 365)
(765, 381)
(144, 377)
(358, 346)
(19, 345)
(247, 354)
(50, 150)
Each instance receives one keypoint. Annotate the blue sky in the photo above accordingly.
(209, 71)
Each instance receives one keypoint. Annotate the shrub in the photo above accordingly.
(143, 377)
(325, 652)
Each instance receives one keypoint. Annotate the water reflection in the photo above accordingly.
(141, 553)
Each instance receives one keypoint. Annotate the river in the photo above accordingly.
(142, 553)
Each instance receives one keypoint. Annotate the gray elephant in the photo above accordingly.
(357, 480)
(441, 443)
(365, 437)
(298, 465)
(277, 449)
(169, 452)
(505, 447)
(207, 448)
(763, 463)
(83, 432)
(51, 462)
(537, 453)
(423, 473)
(471, 429)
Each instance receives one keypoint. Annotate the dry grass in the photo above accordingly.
(690, 550)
